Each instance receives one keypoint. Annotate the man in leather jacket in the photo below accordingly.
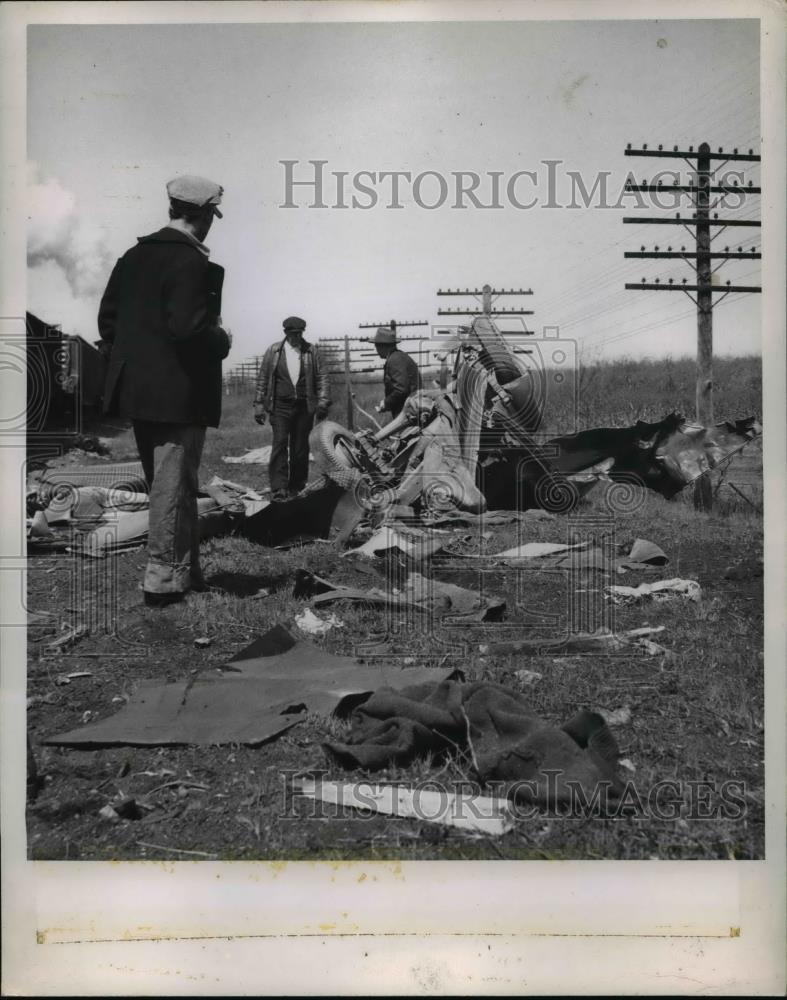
(293, 387)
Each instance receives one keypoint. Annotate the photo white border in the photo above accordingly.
(493, 927)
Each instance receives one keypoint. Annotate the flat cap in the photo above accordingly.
(197, 191)
(294, 323)
(385, 335)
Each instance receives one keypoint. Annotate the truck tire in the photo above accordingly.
(335, 454)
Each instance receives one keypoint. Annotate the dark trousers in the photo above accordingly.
(170, 456)
(291, 423)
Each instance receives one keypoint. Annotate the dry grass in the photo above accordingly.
(696, 714)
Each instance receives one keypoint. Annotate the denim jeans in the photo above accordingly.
(170, 456)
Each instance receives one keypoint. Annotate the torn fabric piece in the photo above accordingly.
(263, 691)
(473, 814)
(660, 589)
(536, 761)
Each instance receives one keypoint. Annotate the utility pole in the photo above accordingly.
(701, 224)
(487, 302)
(394, 324)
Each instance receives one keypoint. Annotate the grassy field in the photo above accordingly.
(693, 716)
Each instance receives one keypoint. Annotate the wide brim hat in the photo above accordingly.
(385, 335)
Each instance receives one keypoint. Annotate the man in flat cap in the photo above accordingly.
(401, 377)
(293, 387)
(160, 322)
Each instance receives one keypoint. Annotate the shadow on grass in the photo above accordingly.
(246, 584)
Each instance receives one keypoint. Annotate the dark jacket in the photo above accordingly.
(401, 379)
(159, 317)
(314, 371)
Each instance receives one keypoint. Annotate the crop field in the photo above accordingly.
(689, 717)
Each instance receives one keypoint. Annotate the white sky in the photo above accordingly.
(115, 112)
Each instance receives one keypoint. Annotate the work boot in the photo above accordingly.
(280, 495)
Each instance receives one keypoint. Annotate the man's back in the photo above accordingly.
(159, 314)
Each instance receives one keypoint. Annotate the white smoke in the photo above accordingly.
(56, 233)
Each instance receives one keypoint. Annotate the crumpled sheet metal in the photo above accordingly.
(257, 456)
(665, 455)
(235, 496)
(578, 643)
(644, 556)
(659, 590)
(476, 815)
(453, 604)
(264, 690)
(122, 476)
(438, 472)
(324, 511)
(410, 541)
(508, 742)
(122, 529)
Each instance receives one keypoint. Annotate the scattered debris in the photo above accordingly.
(126, 808)
(108, 813)
(665, 456)
(473, 814)
(234, 496)
(644, 557)
(310, 623)
(121, 476)
(408, 540)
(203, 641)
(264, 690)
(51, 698)
(660, 590)
(257, 456)
(577, 643)
(39, 526)
(616, 717)
(176, 850)
(69, 638)
(455, 605)
(528, 676)
(258, 595)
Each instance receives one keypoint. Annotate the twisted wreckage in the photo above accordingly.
(472, 448)
(456, 455)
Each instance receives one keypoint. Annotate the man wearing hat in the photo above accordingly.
(160, 322)
(401, 377)
(293, 387)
